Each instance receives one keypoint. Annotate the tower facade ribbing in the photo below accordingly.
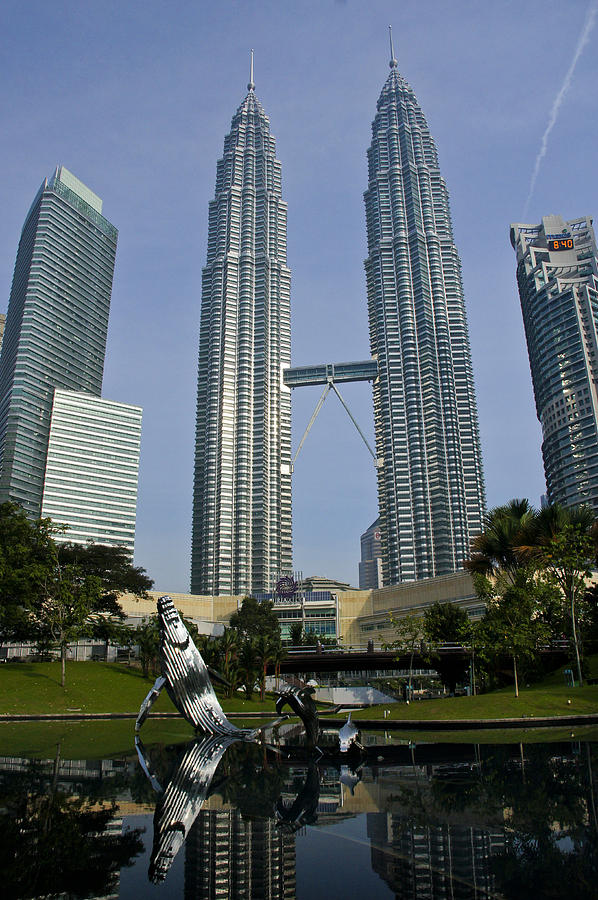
(56, 326)
(242, 483)
(430, 480)
(557, 273)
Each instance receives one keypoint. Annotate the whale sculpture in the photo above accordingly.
(186, 679)
(301, 702)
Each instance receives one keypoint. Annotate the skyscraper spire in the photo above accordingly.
(393, 62)
(242, 484)
(430, 483)
(251, 85)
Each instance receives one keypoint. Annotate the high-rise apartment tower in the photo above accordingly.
(557, 273)
(56, 326)
(430, 481)
(242, 485)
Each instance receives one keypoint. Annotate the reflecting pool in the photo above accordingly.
(212, 818)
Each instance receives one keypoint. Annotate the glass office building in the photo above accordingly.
(557, 274)
(370, 565)
(430, 481)
(56, 326)
(92, 469)
(242, 483)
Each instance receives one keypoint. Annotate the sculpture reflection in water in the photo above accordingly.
(186, 679)
(449, 820)
(183, 797)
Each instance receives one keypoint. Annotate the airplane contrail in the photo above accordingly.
(558, 100)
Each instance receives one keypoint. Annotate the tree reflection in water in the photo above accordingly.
(518, 822)
(53, 843)
(550, 814)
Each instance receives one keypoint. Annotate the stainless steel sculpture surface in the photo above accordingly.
(301, 702)
(304, 809)
(182, 799)
(186, 679)
(348, 735)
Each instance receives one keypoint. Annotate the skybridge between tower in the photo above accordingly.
(331, 374)
(304, 376)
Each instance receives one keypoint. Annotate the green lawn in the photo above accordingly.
(109, 687)
(91, 687)
(101, 687)
(539, 700)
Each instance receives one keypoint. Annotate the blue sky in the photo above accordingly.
(135, 99)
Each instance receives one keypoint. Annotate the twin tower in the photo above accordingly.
(430, 481)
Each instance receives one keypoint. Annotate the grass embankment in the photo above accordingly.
(99, 688)
(91, 687)
(539, 700)
(95, 687)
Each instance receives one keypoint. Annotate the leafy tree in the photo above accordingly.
(147, 638)
(563, 542)
(278, 655)
(55, 594)
(112, 565)
(511, 625)
(447, 623)
(255, 618)
(296, 634)
(229, 647)
(109, 629)
(62, 612)
(408, 630)
(248, 667)
(26, 557)
(265, 650)
(310, 638)
(556, 545)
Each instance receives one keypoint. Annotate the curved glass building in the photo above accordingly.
(430, 481)
(557, 273)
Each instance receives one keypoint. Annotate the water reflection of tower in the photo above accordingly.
(228, 856)
(429, 862)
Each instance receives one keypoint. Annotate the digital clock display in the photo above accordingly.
(564, 243)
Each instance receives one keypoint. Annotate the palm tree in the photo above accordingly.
(495, 551)
(229, 645)
(563, 541)
(265, 650)
(497, 561)
(248, 666)
(278, 656)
